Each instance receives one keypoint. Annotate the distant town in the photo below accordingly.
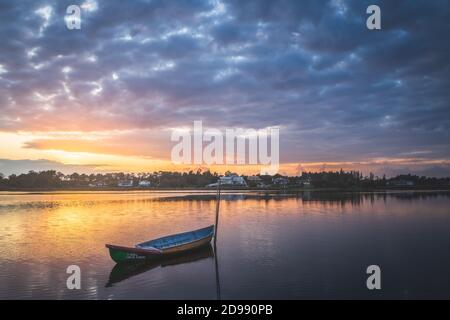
(53, 180)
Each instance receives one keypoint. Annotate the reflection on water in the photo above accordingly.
(123, 271)
(271, 245)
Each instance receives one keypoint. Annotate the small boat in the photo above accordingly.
(162, 247)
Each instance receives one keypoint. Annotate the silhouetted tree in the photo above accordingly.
(202, 177)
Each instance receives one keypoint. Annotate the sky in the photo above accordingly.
(107, 97)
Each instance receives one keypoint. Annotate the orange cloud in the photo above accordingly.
(123, 144)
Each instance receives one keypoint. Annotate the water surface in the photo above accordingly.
(270, 246)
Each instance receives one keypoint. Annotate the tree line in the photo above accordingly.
(52, 179)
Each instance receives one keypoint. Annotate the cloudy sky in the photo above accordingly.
(106, 97)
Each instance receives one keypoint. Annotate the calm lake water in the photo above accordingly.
(310, 245)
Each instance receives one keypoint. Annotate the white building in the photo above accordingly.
(97, 184)
(230, 181)
(254, 179)
(125, 183)
(145, 183)
(280, 181)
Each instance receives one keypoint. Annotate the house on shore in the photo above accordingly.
(255, 181)
(233, 180)
(144, 184)
(98, 184)
(280, 181)
(125, 183)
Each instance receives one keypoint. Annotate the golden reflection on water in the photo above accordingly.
(76, 226)
(41, 234)
(59, 226)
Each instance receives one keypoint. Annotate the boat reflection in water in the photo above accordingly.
(123, 271)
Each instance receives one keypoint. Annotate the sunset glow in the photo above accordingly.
(106, 97)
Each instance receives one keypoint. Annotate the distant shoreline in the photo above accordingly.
(225, 189)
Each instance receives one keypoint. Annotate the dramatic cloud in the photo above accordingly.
(340, 92)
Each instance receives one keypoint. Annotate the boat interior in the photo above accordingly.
(177, 239)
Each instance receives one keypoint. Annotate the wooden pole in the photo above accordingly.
(215, 240)
(216, 264)
(217, 211)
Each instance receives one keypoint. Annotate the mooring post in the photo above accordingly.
(217, 211)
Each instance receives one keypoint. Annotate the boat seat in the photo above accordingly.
(176, 240)
(146, 247)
